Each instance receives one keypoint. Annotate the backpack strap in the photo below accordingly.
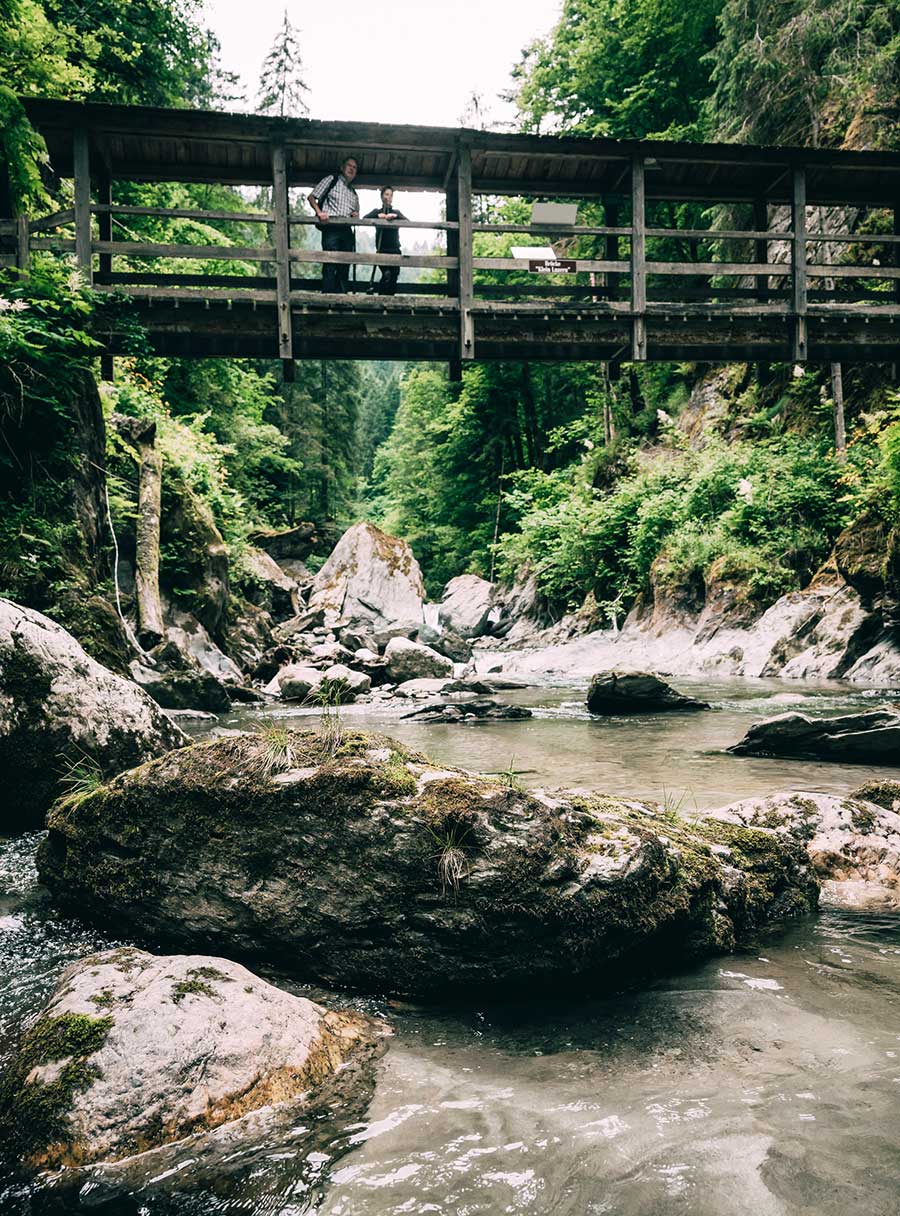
(331, 186)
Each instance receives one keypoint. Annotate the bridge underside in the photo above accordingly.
(338, 327)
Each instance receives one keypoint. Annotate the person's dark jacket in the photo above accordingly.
(387, 240)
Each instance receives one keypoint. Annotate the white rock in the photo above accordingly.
(465, 605)
(191, 1043)
(421, 688)
(296, 682)
(357, 681)
(369, 575)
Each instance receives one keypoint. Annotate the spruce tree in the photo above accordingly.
(281, 86)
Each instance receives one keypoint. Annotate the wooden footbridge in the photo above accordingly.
(797, 255)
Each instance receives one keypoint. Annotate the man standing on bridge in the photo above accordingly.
(334, 198)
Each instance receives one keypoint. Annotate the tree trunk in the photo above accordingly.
(837, 393)
(146, 567)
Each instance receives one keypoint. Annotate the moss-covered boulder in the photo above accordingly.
(135, 1051)
(359, 862)
(853, 842)
(64, 719)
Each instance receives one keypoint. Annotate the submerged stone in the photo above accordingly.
(635, 692)
(355, 861)
(871, 737)
(135, 1051)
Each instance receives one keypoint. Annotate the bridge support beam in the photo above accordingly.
(105, 232)
(638, 260)
(282, 242)
(466, 274)
(761, 247)
(81, 172)
(799, 344)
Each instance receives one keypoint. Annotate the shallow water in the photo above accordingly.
(766, 1083)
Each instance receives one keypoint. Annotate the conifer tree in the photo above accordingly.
(281, 86)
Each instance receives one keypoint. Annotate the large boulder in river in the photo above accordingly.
(356, 861)
(60, 711)
(635, 692)
(369, 575)
(872, 737)
(408, 660)
(466, 603)
(853, 842)
(134, 1051)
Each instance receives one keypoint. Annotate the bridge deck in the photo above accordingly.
(800, 258)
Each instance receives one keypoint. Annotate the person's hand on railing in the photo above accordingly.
(322, 216)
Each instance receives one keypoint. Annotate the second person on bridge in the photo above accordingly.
(333, 199)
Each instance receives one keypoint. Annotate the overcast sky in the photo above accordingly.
(404, 61)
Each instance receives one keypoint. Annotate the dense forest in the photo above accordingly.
(584, 480)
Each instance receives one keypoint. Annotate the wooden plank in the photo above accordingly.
(798, 263)
(759, 232)
(227, 253)
(237, 282)
(465, 259)
(184, 213)
(611, 250)
(713, 268)
(638, 259)
(82, 175)
(55, 243)
(581, 264)
(372, 259)
(814, 271)
(282, 238)
(219, 295)
(48, 222)
(346, 222)
(367, 303)
(544, 229)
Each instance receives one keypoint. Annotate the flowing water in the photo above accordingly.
(766, 1083)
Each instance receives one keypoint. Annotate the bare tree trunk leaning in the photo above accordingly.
(837, 393)
(146, 567)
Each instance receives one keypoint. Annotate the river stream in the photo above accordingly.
(766, 1083)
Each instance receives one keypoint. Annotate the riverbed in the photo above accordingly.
(764, 1083)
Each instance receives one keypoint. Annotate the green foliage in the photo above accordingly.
(770, 510)
(281, 84)
(625, 69)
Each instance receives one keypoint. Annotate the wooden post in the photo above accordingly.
(466, 275)
(638, 260)
(151, 628)
(451, 208)
(840, 430)
(611, 248)
(82, 174)
(23, 250)
(798, 264)
(761, 247)
(105, 232)
(282, 240)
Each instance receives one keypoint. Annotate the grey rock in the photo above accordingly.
(399, 629)
(350, 684)
(483, 710)
(466, 604)
(183, 689)
(265, 584)
(295, 682)
(445, 642)
(635, 692)
(168, 1047)
(60, 708)
(375, 867)
(369, 575)
(408, 660)
(872, 737)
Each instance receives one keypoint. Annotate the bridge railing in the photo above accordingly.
(795, 270)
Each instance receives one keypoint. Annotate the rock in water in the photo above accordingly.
(872, 737)
(59, 709)
(635, 692)
(465, 605)
(479, 710)
(134, 1051)
(359, 862)
(852, 842)
(369, 575)
(408, 660)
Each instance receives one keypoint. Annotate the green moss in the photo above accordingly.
(103, 999)
(34, 1115)
(194, 987)
(885, 794)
